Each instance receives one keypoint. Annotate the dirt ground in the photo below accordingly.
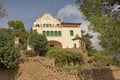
(35, 68)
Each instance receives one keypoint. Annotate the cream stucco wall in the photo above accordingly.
(65, 38)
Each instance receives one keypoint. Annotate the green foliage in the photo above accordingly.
(19, 31)
(69, 68)
(18, 24)
(11, 23)
(7, 33)
(103, 58)
(86, 37)
(105, 22)
(8, 57)
(39, 43)
(65, 57)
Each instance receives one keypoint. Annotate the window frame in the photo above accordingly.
(71, 33)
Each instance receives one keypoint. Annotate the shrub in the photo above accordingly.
(8, 58)
(69, 68)
(102, 58)
(65, 57)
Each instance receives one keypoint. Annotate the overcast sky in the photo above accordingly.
(29, 10)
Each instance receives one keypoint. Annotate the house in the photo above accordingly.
(59, 34)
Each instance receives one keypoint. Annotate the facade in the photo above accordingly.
(59, 34)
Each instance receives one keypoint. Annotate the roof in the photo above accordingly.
(63, 23)
(77, 37)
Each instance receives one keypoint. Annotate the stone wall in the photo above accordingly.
(96, 74)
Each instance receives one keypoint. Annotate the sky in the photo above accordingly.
(29, 10)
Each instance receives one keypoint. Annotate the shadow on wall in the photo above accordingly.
(8, 74)
(53, 43)
(96, 74)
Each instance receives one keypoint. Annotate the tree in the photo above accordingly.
(104, 20)
(86, 37)
(18, 24)
(19, 31)
(8, 33)
(3, 12)
(38, 42)
(8, 55)
(11, 23)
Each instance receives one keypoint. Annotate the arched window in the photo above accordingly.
(48, 33)
(59, 33)
(75, 46)
(50, 25)
(44, 33)
(55, 33)
(71, 33)
(37, 25)
(43, 25)
(57, 25)
(47, 25)
(52, 33)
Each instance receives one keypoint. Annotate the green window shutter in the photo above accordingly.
(71, 33)
(47, 25)
(55, 33)
(48, 33)
(44, 33)
(59, 33)
(52, 33)
(75, 46)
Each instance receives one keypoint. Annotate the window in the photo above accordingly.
(50, 25)
(47, 25)
(51, 45)
(74, 45)
(48, 33)
(71, 33)
(44, 33)
(43, 25)
(37, 25)
(52, 33)
(55, 33)
(57, 25)
(59, 33)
